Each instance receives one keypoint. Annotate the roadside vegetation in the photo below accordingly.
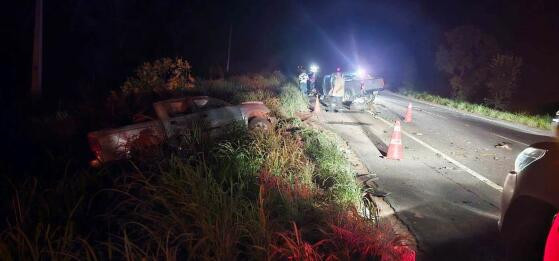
(286, 194)
(482, 77)
(478, 69)
(535, 121)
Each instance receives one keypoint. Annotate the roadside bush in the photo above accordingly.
(220, 88)
(292, 100)
(265, 88)
(260, 81)
(160, 76)
(464, 55)
(334, 173)
(504, 71)
(536, 121)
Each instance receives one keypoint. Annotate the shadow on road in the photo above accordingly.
(477, 239)
(381, 146)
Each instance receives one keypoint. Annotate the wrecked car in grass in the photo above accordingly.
(173, 117)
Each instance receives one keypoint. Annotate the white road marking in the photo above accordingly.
(453, 161)
(502, 123)
(434, 114)
(519, 142)
(416, 108)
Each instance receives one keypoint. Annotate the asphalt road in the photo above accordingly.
(446, 189)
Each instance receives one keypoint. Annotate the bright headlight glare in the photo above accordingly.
(526, 157)
(360, 73)
(314, 68)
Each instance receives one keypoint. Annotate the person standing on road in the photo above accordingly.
(303, 81)
(312, 81)
(338, 90)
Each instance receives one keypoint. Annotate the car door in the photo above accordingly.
(216, 113)
(180, 121)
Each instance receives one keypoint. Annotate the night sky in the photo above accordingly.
(92, 46)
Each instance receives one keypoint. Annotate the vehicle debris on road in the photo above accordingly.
(503, 145)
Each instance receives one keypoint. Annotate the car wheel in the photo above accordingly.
(525, 230)
(259, 124)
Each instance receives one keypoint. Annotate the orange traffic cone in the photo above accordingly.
(408, 114)
(316, 105)
(395, 149)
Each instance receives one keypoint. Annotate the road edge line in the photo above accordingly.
(453, 161)
(503, 123)
(510, 139)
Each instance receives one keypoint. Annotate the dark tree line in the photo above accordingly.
(478, 70)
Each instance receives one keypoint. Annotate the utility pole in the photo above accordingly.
(37, 67)
(229, 48)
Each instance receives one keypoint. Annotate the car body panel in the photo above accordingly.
(169, 108)
(117, 143)
(220, 117)
(508, 190)
(177, 125)
(254, 109)
(538, 181)
(529, 200)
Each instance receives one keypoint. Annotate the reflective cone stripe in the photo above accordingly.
(316, 105)
(408, 113)
(395, 149)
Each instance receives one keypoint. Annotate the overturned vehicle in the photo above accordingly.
(360, 89)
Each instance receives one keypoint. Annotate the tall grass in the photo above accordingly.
(292, 100)
(535, 121)
(334, 173)
(283, 98)
(50, 221)
(284, 194)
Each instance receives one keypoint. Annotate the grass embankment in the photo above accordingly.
(284, 194)
(535, 121)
